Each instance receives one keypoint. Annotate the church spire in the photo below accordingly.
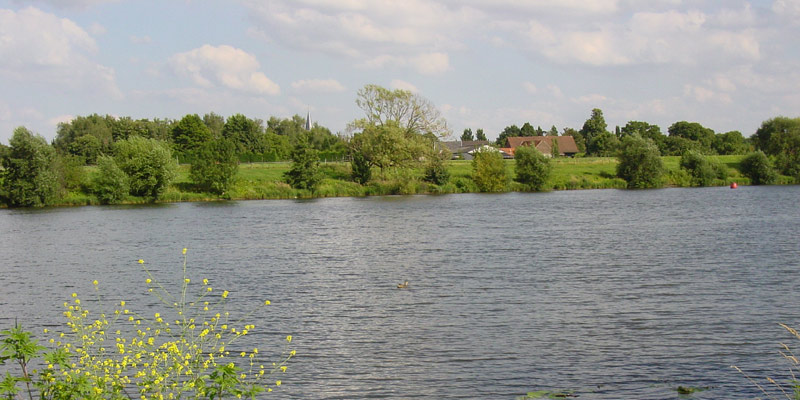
(308, 121)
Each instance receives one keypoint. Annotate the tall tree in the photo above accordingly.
(479, 135)
(247, 134)
(527, 130)
(214, 122)
(467, 135)
(28, 176)
(553, 131)
(304, 172)
(693, 131)
(509, 131)
(594, 126)
(190, 133)
(412, 112)
(214, 166)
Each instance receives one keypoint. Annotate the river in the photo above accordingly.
(607, 293)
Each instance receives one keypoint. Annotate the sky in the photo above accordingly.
(729, 65)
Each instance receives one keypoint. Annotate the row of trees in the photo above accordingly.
(88, 137)
(594, 139)
(400, 131)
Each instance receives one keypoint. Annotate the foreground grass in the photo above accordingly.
(258, 181)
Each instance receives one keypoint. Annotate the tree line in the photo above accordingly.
(401, 132)
(594, 138)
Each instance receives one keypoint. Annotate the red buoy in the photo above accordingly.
(734, 185)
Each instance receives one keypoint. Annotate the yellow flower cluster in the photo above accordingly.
(161, 360)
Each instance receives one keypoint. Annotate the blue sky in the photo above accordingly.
(485, 64)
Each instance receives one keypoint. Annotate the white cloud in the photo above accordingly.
(140, 39)
(789, 9)
(42, 48)
(210, 66)
(318, 86)
(415, 34)
(74, 4)
(403, 85)
(530, 87)
(431, 63)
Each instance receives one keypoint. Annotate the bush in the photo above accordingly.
(532, 168)
(436, 172)
(758, 168)
(181, 352)
(304, 173)
(489, 171)
(148, 164)
(214, 166)
(362, 171)
(702, 170)
(109, 184)
(640, 163)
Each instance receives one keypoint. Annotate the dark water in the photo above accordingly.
(612, 294)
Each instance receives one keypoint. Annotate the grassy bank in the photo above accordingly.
(265, 181)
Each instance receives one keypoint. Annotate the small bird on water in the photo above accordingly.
(402, 285)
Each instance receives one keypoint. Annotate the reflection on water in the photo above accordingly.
(613, 294)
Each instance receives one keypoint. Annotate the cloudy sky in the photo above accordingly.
(728, 65)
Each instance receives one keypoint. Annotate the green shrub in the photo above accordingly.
(489, 171)
(640, 163)
(109, 183)
(758, 168)
(148, 164)
(532, 168)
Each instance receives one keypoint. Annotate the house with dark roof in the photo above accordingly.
(463, 148)
(566, 144)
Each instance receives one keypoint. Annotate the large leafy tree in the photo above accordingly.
(28, 177)
(489, 170)
(730, 143)
(640, 163)
(148, 164)
(409, 111)
(693, 131)
(783, 144)
(467, 135)
(389, 145)
(702, 169)
(532, 168)
(190, 133)
(214, 166)
(593, 127)
(603, 145)
(761, 139)
(479, 135)
(92, 125)
(247, 134)
(509, 131)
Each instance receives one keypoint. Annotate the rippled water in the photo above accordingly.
(610, 293)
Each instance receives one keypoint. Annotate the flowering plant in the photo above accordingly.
(182, 351)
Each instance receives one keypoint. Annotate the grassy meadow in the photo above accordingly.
(265, 180)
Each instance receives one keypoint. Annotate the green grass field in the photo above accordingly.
(265, 180)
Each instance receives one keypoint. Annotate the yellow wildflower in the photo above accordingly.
(184, 250)
(289, 338)
(225, 294)
(141, 261)
(94, 282)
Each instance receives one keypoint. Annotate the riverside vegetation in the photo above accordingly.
(182, 350)
(396, 148)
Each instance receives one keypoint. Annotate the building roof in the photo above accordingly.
(566, 144)
(465, 146)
